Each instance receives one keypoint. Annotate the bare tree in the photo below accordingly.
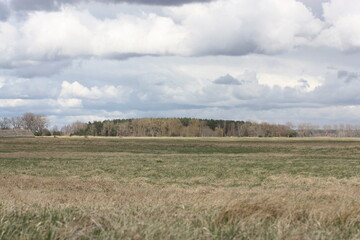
(73, 128)
(4, 123)
(123, 129)
(34, 122)
(17, 122)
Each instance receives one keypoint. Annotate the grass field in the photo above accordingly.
(179, 188)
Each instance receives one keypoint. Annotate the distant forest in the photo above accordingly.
(191, 127)
(177, 127)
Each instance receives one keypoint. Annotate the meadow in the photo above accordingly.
(179, 188)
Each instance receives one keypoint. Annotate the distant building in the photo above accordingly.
(16, 133)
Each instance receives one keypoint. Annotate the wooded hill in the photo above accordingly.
(175, 127)
(186, 127)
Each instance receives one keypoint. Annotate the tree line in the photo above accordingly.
(191, 127)
(178, 127)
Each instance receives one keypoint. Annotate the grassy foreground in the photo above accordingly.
(173, 188)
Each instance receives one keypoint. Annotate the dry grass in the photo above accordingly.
(301, 208)
(69, 194)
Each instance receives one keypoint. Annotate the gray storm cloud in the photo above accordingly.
(160, 2)
(348, 76)
(4, 11)
(315, 6)
(34, 5)
(227, 80)
(49, 5)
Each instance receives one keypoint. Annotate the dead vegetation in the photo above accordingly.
(83, 201)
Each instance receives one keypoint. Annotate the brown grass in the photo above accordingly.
(63, 194)
(283, 208)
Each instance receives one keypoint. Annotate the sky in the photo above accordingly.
(266, 60)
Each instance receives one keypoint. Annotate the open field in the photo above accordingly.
(179, 188)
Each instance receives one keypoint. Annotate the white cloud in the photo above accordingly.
(232, 27)
(151, 34)
(76, 90)
(343, 17)
(70, 103)
(73, 33)
(237, 27)
(8, 42)
(29, 103)
(48, 35)
(335, 10)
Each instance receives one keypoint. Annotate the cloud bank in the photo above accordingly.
(224, 27)
(45, 46)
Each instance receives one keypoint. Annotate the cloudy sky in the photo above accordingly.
(263, 60)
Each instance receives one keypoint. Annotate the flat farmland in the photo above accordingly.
(179, 188)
